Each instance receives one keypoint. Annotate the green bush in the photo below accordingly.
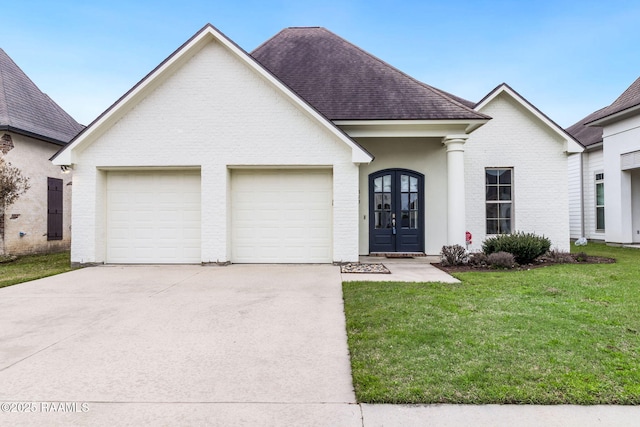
(525, 247)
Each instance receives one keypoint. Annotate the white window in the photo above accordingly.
(499, 200)
(600, 202)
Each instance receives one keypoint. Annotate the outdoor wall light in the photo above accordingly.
(65, 169)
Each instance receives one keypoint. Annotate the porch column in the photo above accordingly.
(456, 224)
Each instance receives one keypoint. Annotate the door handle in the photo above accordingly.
(393, 224)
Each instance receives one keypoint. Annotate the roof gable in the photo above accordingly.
(346, 83)
(572, 145)
(628, 103)
(155, 78)
(26, 110)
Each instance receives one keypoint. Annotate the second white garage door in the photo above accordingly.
(153, 217)
(281, 216)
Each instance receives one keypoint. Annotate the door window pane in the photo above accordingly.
(386, 200)
(404, 183)
(404, 219)
(377, 185)
(404, 198)
(413, 201)
(386, 183)
(413, 184)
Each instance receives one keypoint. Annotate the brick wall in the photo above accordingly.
(214, 112)
(516, 138)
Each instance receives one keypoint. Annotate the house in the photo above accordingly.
(307, 150)
(32, 129)
(605, 179)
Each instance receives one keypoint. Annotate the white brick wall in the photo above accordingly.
(515, 138)
(214, 112)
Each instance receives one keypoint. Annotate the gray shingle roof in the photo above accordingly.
(344, 82)
(25, 109)
(587, 135)
(629, 98)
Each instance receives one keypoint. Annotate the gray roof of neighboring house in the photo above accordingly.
(343, 82)
(26, 110)
(587, 135)
(629, 98)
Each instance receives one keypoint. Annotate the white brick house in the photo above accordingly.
(605, 179)
(284, 155)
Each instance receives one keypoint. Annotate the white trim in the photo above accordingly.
(206, 35)
(616, 116)
(571, 145)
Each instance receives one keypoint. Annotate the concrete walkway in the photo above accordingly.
(417, 269)
(189, 345)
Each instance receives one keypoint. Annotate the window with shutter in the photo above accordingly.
(54, 209)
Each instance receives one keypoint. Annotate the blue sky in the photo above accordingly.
(569, 58)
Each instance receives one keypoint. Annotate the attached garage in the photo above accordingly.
(153, 217)
(281, 216)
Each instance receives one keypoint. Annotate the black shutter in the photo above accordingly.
(54, 209)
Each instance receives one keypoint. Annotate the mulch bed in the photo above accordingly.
(540, 262)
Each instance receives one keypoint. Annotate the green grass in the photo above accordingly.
(555, 335)
(31, 267)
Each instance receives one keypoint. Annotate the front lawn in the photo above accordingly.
(31, 267)
(554, 335)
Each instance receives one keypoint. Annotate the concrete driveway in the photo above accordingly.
(177, 345)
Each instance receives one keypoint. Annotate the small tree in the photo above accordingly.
(12, 184)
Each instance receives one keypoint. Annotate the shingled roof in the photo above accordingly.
(24, 109)
(587, 135)
(629, 98)
(344, 82)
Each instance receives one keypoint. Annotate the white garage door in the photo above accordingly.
(153, 217)
(281, 216)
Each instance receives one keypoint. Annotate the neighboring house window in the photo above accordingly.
(600, 202)
(499, 200)
(54, 209)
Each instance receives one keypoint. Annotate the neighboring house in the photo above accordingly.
(307, 150)
(605, 179)
(32, 129)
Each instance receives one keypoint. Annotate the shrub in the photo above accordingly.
(525, 247)
(479, 259)
(501, 260)
(454, 255)
(561, 257)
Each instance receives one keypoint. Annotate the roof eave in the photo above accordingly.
(33, 135)
(611, 118)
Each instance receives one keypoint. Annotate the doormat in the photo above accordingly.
(355, 267)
